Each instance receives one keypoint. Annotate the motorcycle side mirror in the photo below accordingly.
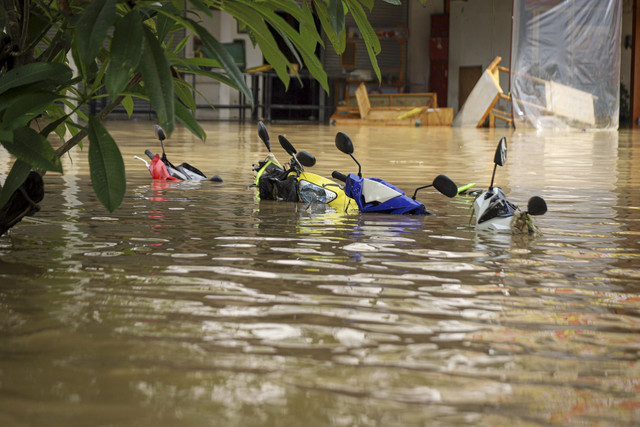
(159, 133)
(536, 206)
(288, 147)
(306, 159)
(445, 185)
(264, 135)
(344, 144)
(500, 157)
(161, 136)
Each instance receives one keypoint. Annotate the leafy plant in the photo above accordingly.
(66, 53)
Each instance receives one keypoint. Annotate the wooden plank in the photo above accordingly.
(493, 69)
(486, 114)
(479, 102)
(420, 99)
(437, 117)
(384, 114)
(387, 116)
(363, 100)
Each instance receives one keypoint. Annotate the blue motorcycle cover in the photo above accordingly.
(371, 196)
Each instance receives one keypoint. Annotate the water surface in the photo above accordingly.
(197, 304)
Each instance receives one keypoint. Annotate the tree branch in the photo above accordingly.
(135, 80)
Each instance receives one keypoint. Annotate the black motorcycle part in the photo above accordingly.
(499, 206)
(276, 188)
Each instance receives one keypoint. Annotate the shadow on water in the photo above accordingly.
(196, 303)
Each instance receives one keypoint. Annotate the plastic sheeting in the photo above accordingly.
(565, 63)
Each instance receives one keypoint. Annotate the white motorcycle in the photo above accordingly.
(495, 213)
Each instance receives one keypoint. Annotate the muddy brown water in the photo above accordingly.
(197, 304)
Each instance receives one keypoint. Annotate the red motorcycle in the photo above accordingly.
(162, 168)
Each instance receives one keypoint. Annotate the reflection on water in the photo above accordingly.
(197, 304)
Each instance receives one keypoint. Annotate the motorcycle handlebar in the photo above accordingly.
(339, 176)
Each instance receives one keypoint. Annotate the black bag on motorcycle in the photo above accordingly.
(274, 188)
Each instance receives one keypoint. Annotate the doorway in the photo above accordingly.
(467, 79)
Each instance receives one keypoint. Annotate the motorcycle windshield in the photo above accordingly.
(191, 172)
(371, 197)
(374, 190)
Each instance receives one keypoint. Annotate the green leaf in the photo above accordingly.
(368, 3)
(137, 92)
(202, 62)
(308, 30)
(34, 149)
(262, 35)
(61, 122)
(92, 28)
(225, 58)
(366, 30)
(125, 53)
(15, 179)
(98, 80)
(70, 105)
(397, 2)
(56, 124)
(166, 21)
(158, 81)
(186, 118)
(369, 36)
(336, 15)
(6, 135)
(127, 103)
(290, 35)
(183, 90)
(337, 41)
(107, 167)
(202, 7)
(181, 45)
(26, 108)
(214, 75)
(51, 73)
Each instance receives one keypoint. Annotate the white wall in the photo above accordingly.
(224, 28)
(479, 30)
(418, 46)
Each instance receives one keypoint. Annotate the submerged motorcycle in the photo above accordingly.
(494, 212)
(377, 195)
(162, 168)
(290, 182)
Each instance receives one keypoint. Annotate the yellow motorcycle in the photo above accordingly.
(290, 182)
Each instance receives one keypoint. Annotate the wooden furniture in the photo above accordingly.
(358, 69)
(558, 100)
(403, 109)
(481, 102)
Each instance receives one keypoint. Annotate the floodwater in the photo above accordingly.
(197, 304)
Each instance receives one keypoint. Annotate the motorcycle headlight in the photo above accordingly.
(310, 192)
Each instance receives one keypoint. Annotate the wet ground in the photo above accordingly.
(197, 304)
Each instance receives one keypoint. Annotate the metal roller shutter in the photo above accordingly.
(383, 15)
